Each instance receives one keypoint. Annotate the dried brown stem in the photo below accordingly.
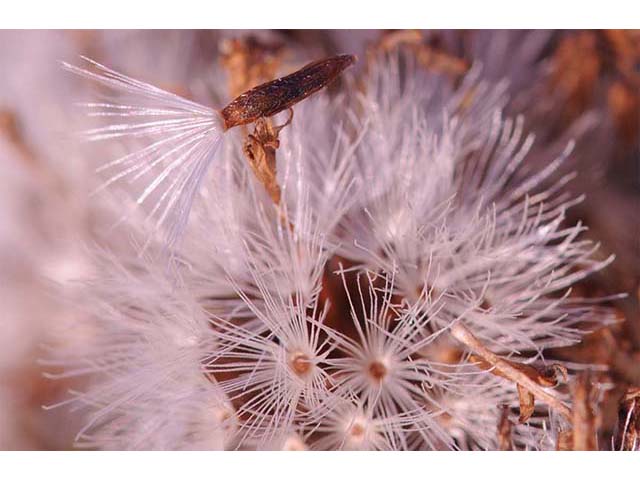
(507, 369)
(629, 420)
(584, 434)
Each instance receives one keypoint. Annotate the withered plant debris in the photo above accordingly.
(430, 57)
(270, 98)
(260, 149)
(545, 377)
(249, 62)
(583, 417)
(584, 60)
(584, 65)
(624, 105)
(575, 75)
(504, 430)
(531, 382)
(628, 428)
(564, 440)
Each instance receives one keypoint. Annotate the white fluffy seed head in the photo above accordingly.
(419, 190)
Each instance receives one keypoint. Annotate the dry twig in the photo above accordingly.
(530, 381)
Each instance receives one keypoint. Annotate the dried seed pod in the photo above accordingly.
(273, 97)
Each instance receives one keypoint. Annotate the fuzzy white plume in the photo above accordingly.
(171, 141)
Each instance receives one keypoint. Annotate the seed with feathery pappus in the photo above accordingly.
(277, 95)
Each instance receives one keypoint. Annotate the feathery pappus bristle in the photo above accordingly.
(173, 142)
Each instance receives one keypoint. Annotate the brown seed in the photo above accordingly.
(273, 97)
(377, 370)
(357, 430)
(300, 364)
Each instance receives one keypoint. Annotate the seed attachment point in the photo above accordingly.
(301, 364)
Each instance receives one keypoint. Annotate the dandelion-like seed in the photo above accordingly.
(185, 136)
(387, 275)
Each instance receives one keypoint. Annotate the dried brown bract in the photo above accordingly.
(278, 95)
(430, 57)
(565, 441)
(504, 430)
(576, 66)
(622, 47)
(624, 104)
(393, 39)
(260, 149)
(250, 62)
(583, 419)
(588, 58)
(442, 62)
(628, 437)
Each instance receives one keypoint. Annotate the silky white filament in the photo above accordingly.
(173, 142)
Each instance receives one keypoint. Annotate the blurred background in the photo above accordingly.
(569, 85)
